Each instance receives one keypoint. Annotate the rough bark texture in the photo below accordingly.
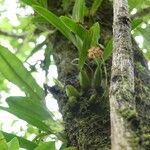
(87, 121)
(122, 78)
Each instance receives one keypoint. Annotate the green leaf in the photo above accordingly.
(56, 22)
(26, 104)
(13, 70)
(147, 55)
(84, 50)
(72, 91)
(22, 107)
(47, 54)
(66, 4)
(22, 142)
(43, 3)
(3, 143)
(30, 2)
(78, 10)
(13, 144)
(136, 23)
(90, 40)
(96, 4)
(39, 20)
(84, 80)
(95, 34)
(74, 27)
(107, 50)
(46, 146)
(97, 77)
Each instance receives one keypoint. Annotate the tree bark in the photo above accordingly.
(122, 99)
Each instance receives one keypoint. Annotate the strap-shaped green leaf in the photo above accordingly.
(79, 10)
(74, 27)
(91, 39)
(47, 59)
(97, 79)
(107, 50)
(13, 70)
(96, 4)
(22, 141)
(85, 82)
(84, 50)
(95, 33)
(56, 22)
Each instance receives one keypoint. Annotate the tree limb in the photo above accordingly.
(122, 79)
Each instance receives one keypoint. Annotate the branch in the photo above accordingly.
(10, 34)
(141, 13)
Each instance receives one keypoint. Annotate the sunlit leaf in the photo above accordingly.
(13, 70)
(13, 144)
(22, 142)
(3, 143)
(147, 55)
(22, 107)
(135, 3)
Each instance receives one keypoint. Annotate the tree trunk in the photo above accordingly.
(122, 100)
(87, 119)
